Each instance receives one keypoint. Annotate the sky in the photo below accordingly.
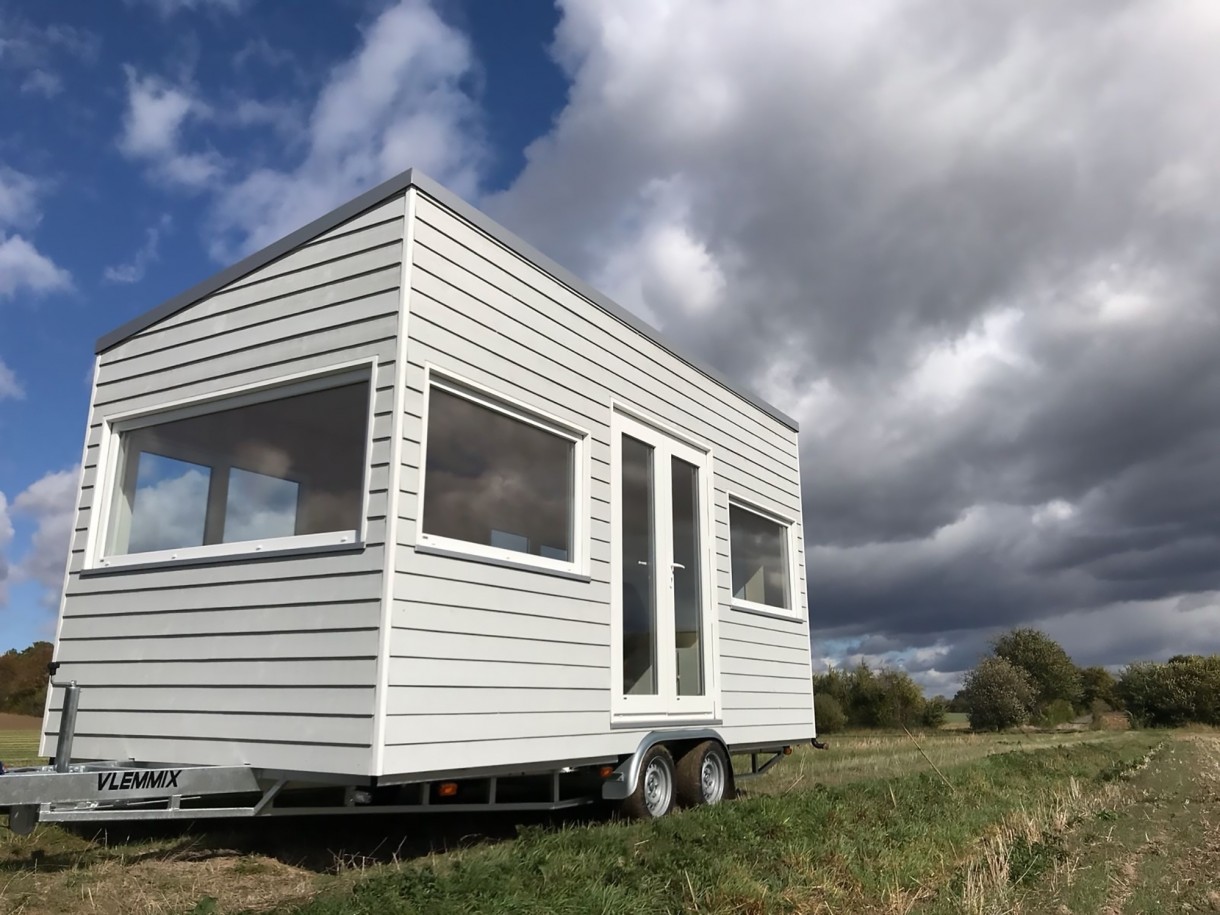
(970, 247)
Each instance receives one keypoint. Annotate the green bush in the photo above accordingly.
(1058, 712)
(935, 712)
(873, 698)
(1186, 690)
(1096, 684)
(828, 714)
(998, 695)
(1050, 670)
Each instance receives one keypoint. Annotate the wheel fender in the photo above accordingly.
(621, 783)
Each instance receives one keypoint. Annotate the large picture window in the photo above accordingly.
(758, 546)
(285, 467)
(498, 482)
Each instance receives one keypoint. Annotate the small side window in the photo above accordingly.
(762, 571)
(279, 469)
(499, 483)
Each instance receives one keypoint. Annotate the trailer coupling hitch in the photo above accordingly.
(818, 745)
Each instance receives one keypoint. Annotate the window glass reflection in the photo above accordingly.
(759, 548)
(272, 469)
(497, 481)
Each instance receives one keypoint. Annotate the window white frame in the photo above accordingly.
(456, 385)
(666, 707)
(110, 453)
(796, 610)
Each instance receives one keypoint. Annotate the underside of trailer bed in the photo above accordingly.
(64, 792)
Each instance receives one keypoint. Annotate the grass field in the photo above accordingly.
(1080, 822)
(18, 739)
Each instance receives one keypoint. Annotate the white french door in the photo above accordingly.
(662, 577)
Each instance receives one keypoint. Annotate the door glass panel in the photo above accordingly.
(688, 599)
(638, 564)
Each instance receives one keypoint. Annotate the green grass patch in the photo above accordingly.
(19, 748)
(885, 841)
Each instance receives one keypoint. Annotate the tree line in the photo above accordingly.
(23, 679)
(1027, 678)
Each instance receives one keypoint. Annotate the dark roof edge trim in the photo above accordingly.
(396, 185)
(261, 258)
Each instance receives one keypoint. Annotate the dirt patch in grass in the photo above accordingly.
(1153, 847)
(148, 878)
(19, 722)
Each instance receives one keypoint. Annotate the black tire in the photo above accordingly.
(655, 791)
(704, 775)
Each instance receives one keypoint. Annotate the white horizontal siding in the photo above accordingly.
(311, 729)
(517, 623)
(300, 617)
(360, 643)
(419, 643)
(248, 660)
(478, 673)
(473, 700)
(503, 665)
(179, 749)
(253, 673)
(352, 701)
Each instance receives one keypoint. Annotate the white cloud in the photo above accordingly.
(658, 265)
(170, 512)
(42, 82)
(10, 387)
(50, 502)
(22, 266)
(399, 101)
(157, 112)
(966, 247)
(133, 271)
(167, 8)
(260, 50)
(31, 50)
(18, 198)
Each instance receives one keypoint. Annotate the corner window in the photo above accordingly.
(499, 483)
(758, 546)
(277, 470)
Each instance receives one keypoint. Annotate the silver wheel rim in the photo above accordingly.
(711, 778)
(658, 788)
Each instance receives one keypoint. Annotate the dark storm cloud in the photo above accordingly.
(971, 246)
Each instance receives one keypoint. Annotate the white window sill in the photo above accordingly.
(656, 722)
(779, 613)
(216, 553)
(510, 559)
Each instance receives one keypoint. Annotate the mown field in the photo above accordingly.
(1094, 822)
(18, 739)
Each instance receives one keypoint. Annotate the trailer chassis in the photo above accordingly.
(126, 791)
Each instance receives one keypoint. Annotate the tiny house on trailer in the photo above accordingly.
(398, 500)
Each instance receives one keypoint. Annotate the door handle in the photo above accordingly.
(641, 562)
(678, 565)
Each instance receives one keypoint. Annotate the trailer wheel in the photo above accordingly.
(704, 775)
(653, 796)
